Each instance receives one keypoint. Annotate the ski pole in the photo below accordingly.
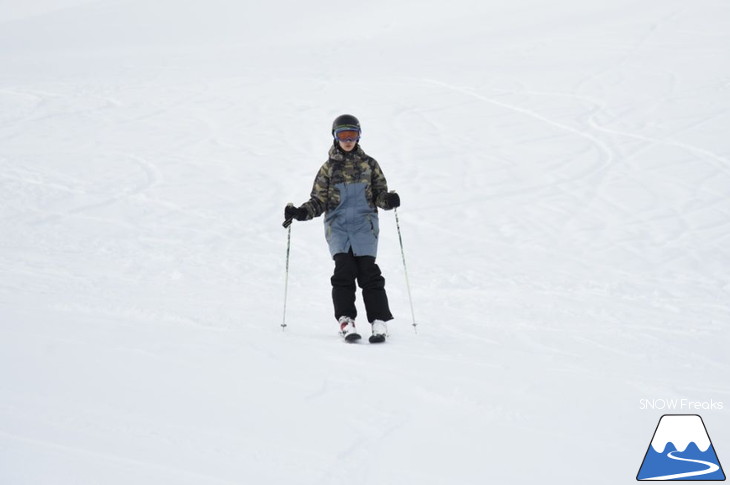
(286, 224)
(405, 269)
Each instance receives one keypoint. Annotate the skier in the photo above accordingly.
(348, 189)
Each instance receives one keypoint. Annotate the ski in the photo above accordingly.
(352, 337)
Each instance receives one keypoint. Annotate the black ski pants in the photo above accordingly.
(348, 269)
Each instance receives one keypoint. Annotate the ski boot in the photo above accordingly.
(380, 330)
(347, 329)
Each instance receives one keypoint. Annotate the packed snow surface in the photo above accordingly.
(564, 171)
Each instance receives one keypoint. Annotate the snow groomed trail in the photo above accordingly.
(565, 177)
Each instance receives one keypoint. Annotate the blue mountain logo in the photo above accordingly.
(681, 450)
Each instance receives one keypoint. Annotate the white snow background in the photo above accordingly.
(564, 169)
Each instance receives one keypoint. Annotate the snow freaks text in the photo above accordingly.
(680, 405)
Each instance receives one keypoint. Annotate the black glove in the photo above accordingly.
(392, 200)
(298, 213)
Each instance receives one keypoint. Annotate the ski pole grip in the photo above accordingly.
(287, 222)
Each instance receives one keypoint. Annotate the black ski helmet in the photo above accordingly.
(345, 122)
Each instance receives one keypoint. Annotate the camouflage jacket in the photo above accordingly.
(348, 189)
(346, 168)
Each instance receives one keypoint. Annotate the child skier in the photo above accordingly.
(348, 189)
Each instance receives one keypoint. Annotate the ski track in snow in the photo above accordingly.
(149, 468)
(565, 176)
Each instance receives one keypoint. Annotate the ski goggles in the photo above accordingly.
(347, 135)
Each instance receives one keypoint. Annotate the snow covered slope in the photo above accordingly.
(564, 169)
